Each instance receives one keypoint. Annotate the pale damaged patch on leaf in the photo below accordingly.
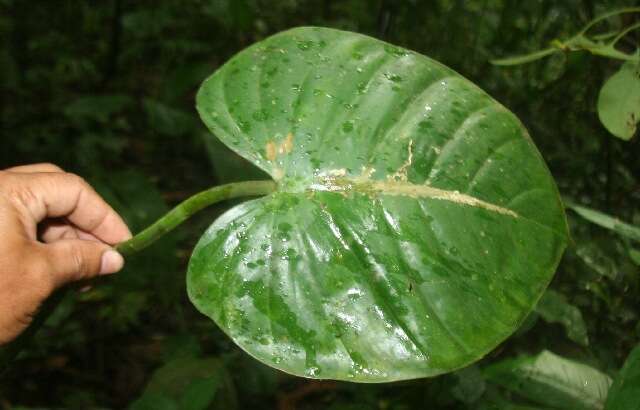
(273, 149)
(270, 151)
(277, 173)
(397, 184)
(426, 191)
(401, 188)
(401, 173)
(341, 172)
(287, 145)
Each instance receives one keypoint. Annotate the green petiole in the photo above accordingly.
(189, 207)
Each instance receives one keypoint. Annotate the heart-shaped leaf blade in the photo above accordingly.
(414, 227)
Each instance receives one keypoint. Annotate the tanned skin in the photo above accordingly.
(54, 229)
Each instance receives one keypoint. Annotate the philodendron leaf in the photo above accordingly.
(625, 390)
(619, 101)
(551, 380)
(414, 227)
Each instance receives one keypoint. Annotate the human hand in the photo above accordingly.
(54, 229)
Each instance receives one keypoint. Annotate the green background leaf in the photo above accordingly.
(619, 101)
(551, 380)
(606, 221)
(624, 393)
(554, 308)
(189, 383)
(414, 227)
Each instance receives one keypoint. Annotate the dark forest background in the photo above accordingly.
(106, 89)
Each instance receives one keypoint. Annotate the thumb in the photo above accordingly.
(77, 259)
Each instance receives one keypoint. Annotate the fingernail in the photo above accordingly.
(111, 262)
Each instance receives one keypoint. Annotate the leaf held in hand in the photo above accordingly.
(414, 227)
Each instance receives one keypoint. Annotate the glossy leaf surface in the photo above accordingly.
(414, 227)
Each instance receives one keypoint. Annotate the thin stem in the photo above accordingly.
(140, 241)
(189, 207)
(624, 33)
(580, 42)
(604, 36)
(608, 15)
(613, 53)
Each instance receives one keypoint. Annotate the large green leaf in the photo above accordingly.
(551, 380)
(414, 227)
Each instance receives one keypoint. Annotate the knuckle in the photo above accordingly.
(75, 179)
(24, 319)
(18, 193)
(50, 167)
(7, 178)
(77, 261)
(5, 182)
(78, 183)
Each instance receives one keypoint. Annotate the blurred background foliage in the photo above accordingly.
(106, 90)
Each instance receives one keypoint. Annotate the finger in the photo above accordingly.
(31, 168)
(58, 229)
(54, 195)
(76, 259)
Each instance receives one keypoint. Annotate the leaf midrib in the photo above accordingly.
(402, 188)
(364, 185)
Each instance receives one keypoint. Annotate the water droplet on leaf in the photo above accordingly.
(347, 126)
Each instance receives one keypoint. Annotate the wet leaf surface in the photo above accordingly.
(415, 225)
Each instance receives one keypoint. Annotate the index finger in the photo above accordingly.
(54, 195)
(31, 168)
